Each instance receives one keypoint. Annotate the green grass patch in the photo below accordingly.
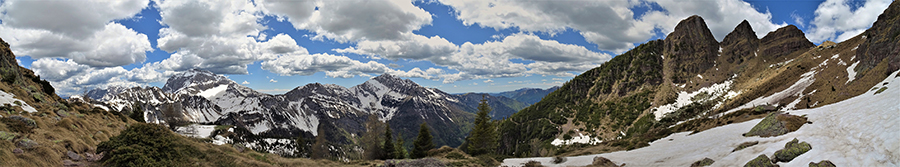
(881, 90)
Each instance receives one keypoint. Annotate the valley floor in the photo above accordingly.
(860, 131)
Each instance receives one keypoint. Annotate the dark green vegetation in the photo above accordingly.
(147, 145)
(423, 142)
(483, 138)
(605, 100)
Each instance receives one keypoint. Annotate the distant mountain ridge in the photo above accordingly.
(528, 96)
(203, 97)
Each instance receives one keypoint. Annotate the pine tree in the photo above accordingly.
(320, 147)
(373, 141)
(390, 152)
(401, 151)
(423, 142)
(483, 138)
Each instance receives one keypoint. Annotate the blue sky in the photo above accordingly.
(454, 45)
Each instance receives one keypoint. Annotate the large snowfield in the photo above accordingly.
(860, 131)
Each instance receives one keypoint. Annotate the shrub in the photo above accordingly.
(146, 145)
(429, 162)
(791, 150)
(19, 124)
(455, 155)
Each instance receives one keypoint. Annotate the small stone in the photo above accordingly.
(18, 151)
(74, 156)
(70, 163)
(90, 157)
(62, 113)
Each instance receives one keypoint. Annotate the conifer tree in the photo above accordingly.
(483, 138)
(401, 151)
(390, 152)
(423, 142)
(373, 141)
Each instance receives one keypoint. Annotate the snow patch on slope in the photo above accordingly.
(581, 138)
(684, 98)
(209, 93)
(6, 98)
(851, 72)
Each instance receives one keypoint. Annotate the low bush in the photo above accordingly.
(455, 155)
(428, 162)
(18, 123)
(559, 159)
(144, 144)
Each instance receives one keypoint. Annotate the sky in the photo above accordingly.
(457, 46)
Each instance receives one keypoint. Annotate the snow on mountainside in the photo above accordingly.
(203, 97)
(860, 131)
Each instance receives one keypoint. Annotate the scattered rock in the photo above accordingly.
(791, 150)
(823, 163)
(62, 113)
(745, 145)
(70, 163)
(18, 151)
(559, 159)
(776, 124)
(19, 123)
(761, 161)
(533, 164)
(7, 135)
(238, 147)
(602, 162)
(74, 156)
(90, 157)
(26, 143)
(704, 162)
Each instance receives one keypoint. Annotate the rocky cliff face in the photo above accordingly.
(690, 49)
(740, 44)
(882, 41)
(783, 41)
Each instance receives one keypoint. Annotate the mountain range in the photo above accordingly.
(198, 96)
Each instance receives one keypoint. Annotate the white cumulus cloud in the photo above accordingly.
(834, 20)
(83, 31)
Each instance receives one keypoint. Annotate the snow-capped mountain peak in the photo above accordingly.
(194, 81)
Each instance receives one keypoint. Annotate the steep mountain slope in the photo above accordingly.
(501, 106)
(528, 96)
(202, 97)
(840, 133)
(690, 82)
